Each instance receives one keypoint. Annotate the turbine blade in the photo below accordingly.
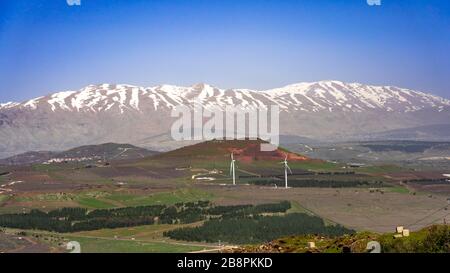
(289, 168)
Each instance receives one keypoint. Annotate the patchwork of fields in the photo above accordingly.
(371, 197)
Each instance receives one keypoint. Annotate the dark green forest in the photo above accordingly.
(81, 219)
(256, 229)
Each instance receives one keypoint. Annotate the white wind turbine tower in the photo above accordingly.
(286, 168)
(232, 169)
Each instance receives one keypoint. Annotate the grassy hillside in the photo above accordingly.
(433, 239)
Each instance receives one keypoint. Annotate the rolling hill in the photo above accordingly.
(244, 150)
(106, 151)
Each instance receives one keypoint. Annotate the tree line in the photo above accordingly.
(312, 183)
(256, 229)
(80, 219)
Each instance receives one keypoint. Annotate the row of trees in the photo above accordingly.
(298, 173)
(242, 211)
(249, 209)
(80, 219)
(312, 183)
(428, 181)
(256, 229)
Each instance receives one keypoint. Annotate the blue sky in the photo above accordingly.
(48, 46)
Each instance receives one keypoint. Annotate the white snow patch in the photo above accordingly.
(60, 100)
(32, 103)
(134, 101)
(8, 105)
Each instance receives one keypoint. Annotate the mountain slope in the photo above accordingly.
(106, 151)
(307, 97)
(327, 110)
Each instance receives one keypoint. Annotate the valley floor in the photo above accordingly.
(359, 209)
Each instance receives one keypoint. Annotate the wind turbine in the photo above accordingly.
(232, 169)
(286, 168)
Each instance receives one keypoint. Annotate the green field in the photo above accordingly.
(297, 208)
(100, 245)
(380, 169)
(91, 202)
(139, 239)
(398, 189)
(147, 232)
(164, 198)
(112, 199)
(3, 198)
(54, 167)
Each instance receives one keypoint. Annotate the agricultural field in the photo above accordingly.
(148, 238)
(362, 209)
(16, 242)
(142, 239)
(98, 245)
(372, 197)
(101, 199)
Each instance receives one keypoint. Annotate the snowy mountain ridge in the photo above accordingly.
(141, 116)
(309, 97)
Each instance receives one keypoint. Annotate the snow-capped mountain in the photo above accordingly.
(327, 110)
(307, 97)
